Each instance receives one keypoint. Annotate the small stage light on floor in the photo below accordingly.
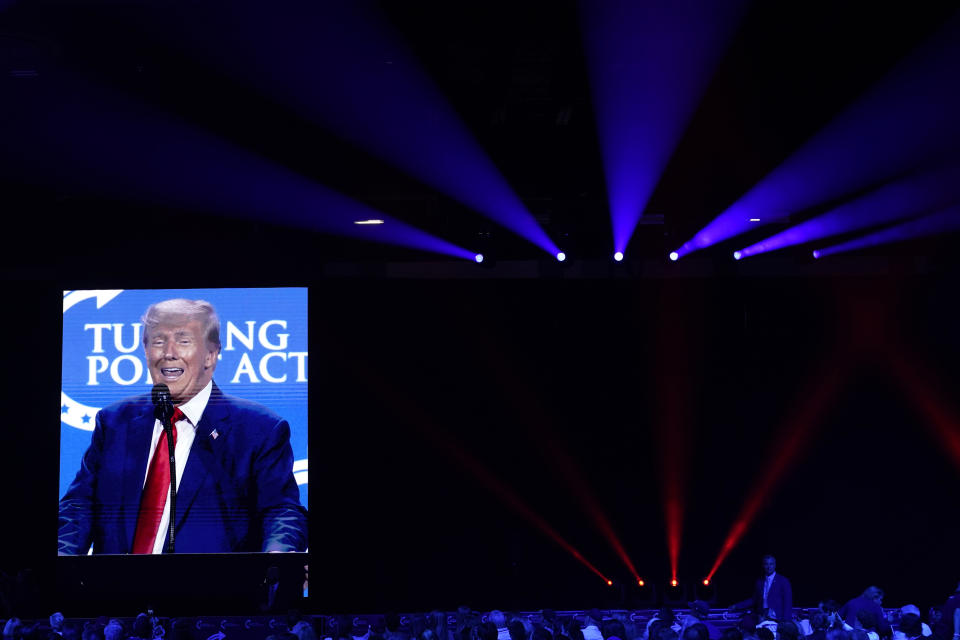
(674, 256)
(487, 249)
(706, 591)
(561, 256)
(675, 594)
(737, 255)
(618, 256)
(609, 583)
(643, 595)
(816, 253)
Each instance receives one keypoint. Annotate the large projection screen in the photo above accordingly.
(241, 459)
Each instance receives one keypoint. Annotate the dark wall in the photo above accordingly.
(541, 381)
(439, 407)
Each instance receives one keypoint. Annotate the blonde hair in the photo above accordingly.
(177, 308)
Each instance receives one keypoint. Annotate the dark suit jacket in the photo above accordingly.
(237, 491)
(779, 598)
(850, 610)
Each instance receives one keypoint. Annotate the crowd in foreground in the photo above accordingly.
(862, 618)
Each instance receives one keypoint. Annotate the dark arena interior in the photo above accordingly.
(609, 301)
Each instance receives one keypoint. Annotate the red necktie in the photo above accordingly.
(155, 492)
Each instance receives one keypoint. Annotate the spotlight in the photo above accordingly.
(816, 253)
(643, 595)
(371, 221)
(674, 256)
(676, 593)
(706, 591)
(737, 255)
(561, 256)
(618, 256)
(609, 583)
(487, 249)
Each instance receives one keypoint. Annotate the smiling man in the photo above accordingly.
(234, 464)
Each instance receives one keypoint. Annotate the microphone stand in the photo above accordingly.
(167, 423)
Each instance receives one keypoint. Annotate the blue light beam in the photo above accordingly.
(908, 116)
(646, 80)
(945, 221)
(68, 132)
(340, 65)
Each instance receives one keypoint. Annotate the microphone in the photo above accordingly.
(163, 411)
(162, 403)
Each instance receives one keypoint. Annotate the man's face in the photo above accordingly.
(178, 355)
(769, 566)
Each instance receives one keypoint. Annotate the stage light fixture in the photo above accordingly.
(674, 256)
(675, 594)
(754, 219)
(618, 256)
(706, 591)
(370, 221)
(478, 258)
(609, 583)
(642, 596)
(640, 582)
(816, 253)
(737, 255)
(561, 256)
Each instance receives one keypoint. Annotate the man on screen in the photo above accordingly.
(234, 464)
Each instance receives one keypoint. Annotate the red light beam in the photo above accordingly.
(922, 388)
(565, 465)
(788, 448)
(422, 422)
(675, 385)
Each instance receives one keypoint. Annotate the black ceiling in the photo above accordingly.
(514, 71)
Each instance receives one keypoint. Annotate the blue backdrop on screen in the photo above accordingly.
(263, 333)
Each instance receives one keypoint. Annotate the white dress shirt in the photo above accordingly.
(186, 432)
(591, 632)
(766, 590)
